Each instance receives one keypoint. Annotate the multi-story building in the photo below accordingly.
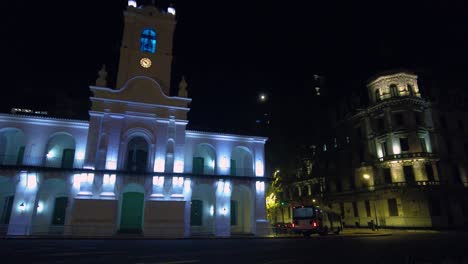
(133, 166)
(392, 167)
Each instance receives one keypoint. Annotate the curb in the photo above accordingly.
(180, 238)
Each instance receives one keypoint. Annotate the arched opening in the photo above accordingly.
(204, 159)
(60, 151)
(393, 90)
(410, 89)
(131, 209)
(51, 205)
(7, 196)
(241, 162)
(241, 210)
(137, 155)
(169, 164)
(148, 40)
(11, 146)
(202, 209)
(377, 95)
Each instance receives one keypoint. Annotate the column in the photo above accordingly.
(24, 204)
(223, 208)
(262, 227)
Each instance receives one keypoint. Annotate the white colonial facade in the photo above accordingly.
(133, 167)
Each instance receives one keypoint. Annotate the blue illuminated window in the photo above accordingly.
(148, 40)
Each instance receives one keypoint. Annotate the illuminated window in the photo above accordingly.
(423, 144)
(383, 145)
(148, 40)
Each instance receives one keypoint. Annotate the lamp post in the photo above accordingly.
(367, 177)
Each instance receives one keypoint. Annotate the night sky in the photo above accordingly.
(230, 51)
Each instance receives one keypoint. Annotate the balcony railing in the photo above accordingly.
(58, 162)
(410, 155)
(40, 161)
(392, 186)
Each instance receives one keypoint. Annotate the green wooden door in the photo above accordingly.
(7, 207)
(67, 158)
(234, 207)
(19, 158)
(60, 208)
(198, 163)
(196, 211)
(233, 167)
(131, 218)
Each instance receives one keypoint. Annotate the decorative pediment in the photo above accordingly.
(140, 89)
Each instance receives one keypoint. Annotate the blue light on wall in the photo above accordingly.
(148, 40)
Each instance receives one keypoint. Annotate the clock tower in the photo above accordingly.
(147, 45)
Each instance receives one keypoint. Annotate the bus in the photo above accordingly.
(312, 219)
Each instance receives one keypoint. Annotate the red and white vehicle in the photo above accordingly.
(309, 220)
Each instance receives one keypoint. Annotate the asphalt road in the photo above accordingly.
(447, 247)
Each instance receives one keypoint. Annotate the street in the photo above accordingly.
(403, 247)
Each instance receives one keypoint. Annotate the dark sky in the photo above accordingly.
(232, 50)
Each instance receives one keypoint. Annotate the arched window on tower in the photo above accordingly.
(393, 90)
(410, 89)
(377, 95)
(148, 40)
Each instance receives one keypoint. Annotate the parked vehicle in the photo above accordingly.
(312, 219)
(282, 228)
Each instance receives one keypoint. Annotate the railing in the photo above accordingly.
(40, 161)
(411, 155)
(391, 186)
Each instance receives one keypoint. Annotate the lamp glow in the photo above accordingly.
(159, 165)
(258, 168)
(366, 176)
(179, 166)
(260, 186)
(40, 207)
(212, 210)
(50, 154)
(171, 10)
(22, 207)
(224, 162)
(80, 155)
(158, 180)
(132, 3)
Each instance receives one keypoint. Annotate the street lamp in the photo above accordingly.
(367, 177)
(262, 97)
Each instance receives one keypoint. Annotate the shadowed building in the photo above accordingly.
(392, 169)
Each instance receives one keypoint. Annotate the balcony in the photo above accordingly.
(407, 156)
(40, 161)
(395, 186)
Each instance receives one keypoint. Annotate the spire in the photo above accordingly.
(102, 79)
(183, 88)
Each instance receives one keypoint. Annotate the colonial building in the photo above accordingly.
(393, 168)
(133, 167)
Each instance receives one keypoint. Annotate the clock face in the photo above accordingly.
(145, 63)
